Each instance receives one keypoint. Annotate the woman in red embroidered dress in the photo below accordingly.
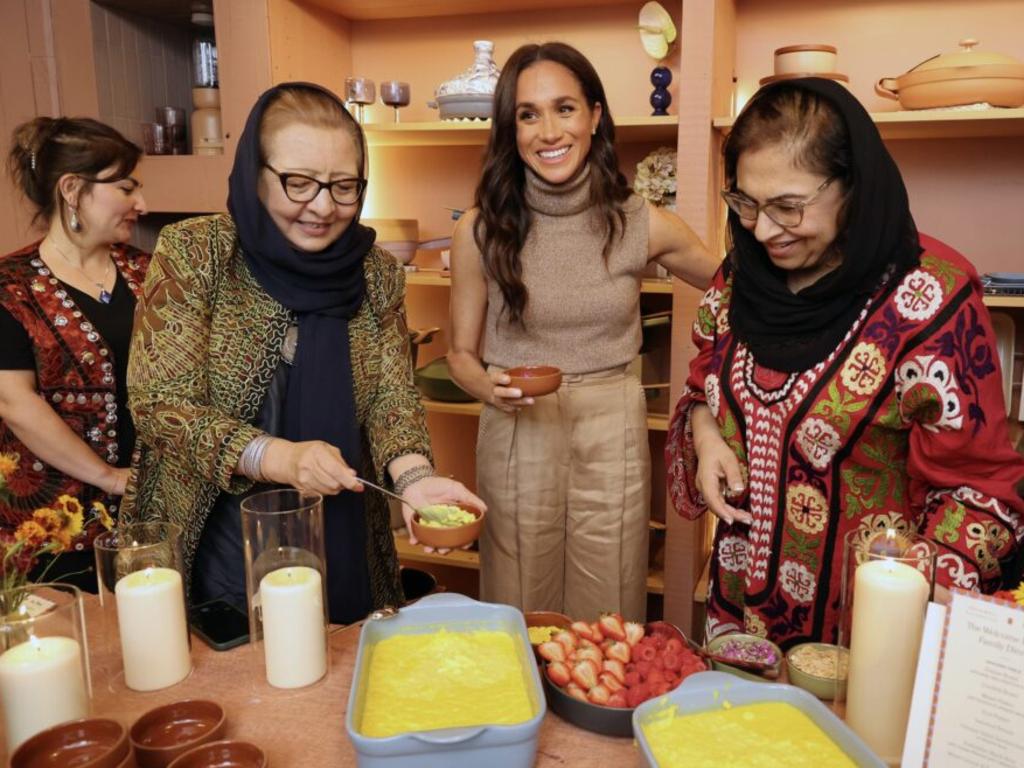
(845, 377)
(66, 306)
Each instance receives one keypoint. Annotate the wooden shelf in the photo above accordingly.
(656, 422)
(1008, 302)
(365, 10)
(936, 124)
(442, 278)
(463, 558)
(453, 134)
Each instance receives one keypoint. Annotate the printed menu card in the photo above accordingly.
(977, 705)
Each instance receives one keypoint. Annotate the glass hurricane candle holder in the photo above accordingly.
(286, 585)
(887, 580)
(140, 570)
(44, 659)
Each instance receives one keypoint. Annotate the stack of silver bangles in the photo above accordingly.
(252, 457)
(412, 475)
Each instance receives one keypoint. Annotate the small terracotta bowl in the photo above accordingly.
(449, 538)
(223, 754)
(535, 380)
(90, 743)
(164, 733)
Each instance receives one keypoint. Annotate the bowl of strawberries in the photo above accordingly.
(597, 673)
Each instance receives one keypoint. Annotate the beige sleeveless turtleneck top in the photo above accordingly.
(582, 314)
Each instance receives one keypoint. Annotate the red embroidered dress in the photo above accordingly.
(903, 425)
(75, 375)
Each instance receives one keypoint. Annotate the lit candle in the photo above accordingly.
(889, 604)
(41, 684)
(294, 631)
(154, 634)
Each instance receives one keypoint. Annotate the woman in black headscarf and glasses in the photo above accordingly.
(271, 348)
(845, 378)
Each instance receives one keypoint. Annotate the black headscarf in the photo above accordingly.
(325, 290)
(789, 331)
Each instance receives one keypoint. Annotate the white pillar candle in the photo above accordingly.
(154, 633)
(889, 604)
(41, 684)
(294, 632)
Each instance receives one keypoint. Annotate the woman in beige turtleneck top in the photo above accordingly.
(546, 269)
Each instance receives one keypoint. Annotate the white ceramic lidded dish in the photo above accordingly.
(494, 746)
(708, 690)
(792, 59)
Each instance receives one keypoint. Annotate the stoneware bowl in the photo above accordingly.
(535, 380)
(715, 646)
(223, 754)
(164, 733)
(90, 743)
(449, 538)
(824, 687)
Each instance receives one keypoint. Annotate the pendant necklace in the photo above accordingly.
(105, 296)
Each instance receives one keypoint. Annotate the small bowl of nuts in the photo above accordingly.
(819, 668)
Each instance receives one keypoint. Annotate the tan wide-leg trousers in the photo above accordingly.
(567, 485)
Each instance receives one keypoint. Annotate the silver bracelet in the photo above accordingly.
(252, 457)
(412, 475)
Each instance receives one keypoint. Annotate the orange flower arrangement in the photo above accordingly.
(1011, 595)
(50, 530)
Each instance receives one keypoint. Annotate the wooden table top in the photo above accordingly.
(302, 728)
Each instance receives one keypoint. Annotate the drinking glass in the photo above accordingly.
(360, 91)
(394, 94)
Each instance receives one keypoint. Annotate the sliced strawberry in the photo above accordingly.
(551, 651)
(599, 695)
(583, 630)
(597, 634)
(619, 650)
(634, 632)
(584, 674)
(585, 643)
(576, 692)
(616, 667)
(618, 699)
(594, 654)
(610, 681)
(568, 639)
(558, 673)
(612, 626)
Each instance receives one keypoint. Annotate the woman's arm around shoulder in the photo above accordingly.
(677, 248)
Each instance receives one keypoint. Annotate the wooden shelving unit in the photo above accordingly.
(475, 133)
(462, 558)
(1006, 302)
(936, 124)
(657, 422)
(442, 279)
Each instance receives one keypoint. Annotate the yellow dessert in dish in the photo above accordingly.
(444, 679)
(770, 734)
(444, 516)
(540, 635)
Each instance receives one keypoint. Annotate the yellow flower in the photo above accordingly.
(101, 513)
(8, 463)
(32, 533)
(72, 506)
(50, 519)
(74, 516)
(1018, 594)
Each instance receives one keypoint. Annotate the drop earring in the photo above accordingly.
(73, 222)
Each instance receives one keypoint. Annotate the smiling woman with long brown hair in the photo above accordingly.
(546, 269)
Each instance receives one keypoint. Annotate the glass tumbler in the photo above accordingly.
(395, 94)
(286, 585)
(887, 580)
(140, 569)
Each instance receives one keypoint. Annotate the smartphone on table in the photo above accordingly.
(220, 624)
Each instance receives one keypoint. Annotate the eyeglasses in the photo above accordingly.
(300, 188)
(784, 214)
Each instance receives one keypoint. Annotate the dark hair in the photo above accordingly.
(804, 123)
(503, 219)
(46, 148)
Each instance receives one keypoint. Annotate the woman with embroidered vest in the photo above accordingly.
(846, 378)
(271, 348)
(66, 306)
(546, 269)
